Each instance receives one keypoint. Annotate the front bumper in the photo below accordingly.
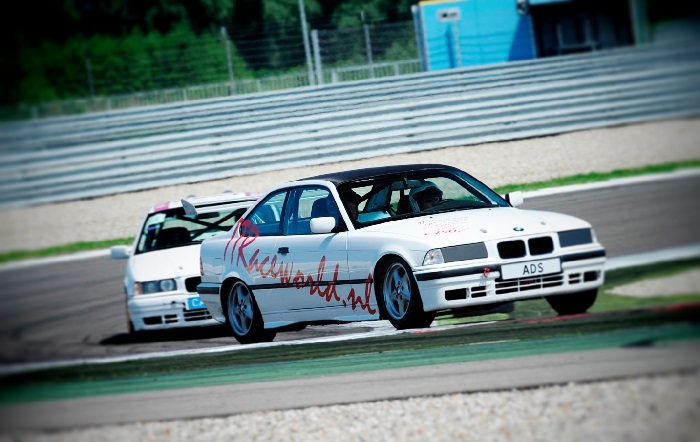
(158, 312)
(463, 287)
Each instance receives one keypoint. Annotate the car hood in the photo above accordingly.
(165, 264)
(466, 226)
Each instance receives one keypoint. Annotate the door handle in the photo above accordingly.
(283, 250)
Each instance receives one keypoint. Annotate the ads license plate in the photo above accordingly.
(531, 268)
(195, 303)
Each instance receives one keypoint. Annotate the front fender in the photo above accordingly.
(406, 248)
(233, 274)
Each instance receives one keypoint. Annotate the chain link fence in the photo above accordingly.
(226, 64)
(372, 51)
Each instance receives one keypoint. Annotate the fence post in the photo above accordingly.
(368, 44)
(229, 60)
(88, 70)
(317, 57)
(305, 35)
(420, 44)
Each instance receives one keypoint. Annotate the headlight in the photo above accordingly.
(433, 257)
(575, 237)
(167, 285)
(148, 287)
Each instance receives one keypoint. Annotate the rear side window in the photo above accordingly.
(173, 228)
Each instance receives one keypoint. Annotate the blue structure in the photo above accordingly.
(462, 33)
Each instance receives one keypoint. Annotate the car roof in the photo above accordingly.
(372, 172)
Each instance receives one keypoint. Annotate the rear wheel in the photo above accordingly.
(401, 299)
(244, 316)
(573, 303)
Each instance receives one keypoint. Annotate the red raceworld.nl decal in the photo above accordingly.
(268, 267)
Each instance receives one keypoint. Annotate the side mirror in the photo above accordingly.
(322, 225)
(120, 252)
(515, 199)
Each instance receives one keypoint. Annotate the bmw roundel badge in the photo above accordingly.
(518, 229)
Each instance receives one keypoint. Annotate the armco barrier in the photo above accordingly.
(112, 152)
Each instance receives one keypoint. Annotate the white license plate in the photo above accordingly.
(530, 268)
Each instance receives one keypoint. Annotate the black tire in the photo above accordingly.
(399, 297)
(574, 303)
(243, 316)
(129, 323)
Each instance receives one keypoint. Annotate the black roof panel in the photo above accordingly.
(371, 172)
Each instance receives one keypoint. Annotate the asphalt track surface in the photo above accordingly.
(76, 309)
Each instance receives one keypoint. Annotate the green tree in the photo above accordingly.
(347, 14)
(49, 48)
(285, 13)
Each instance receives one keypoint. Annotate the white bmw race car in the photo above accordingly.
(399, 243)
(162, 272)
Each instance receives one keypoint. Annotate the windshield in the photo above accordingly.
(173, 228)
(418, 193)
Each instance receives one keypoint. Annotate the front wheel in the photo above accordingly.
(573, 303)
(244, 316)
(400, 298)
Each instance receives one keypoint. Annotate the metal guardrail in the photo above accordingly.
(100, 154)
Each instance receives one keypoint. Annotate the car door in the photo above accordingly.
(254, 253)
(314, 286)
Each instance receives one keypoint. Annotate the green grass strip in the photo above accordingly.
(63, 250)
(599, 176)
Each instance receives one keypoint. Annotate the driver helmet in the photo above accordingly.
(427, 189)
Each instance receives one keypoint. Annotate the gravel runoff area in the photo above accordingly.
(660, 408)
(683, 283)
(520, 161)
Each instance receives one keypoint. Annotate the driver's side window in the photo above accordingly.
(266, 218)
(307, 203)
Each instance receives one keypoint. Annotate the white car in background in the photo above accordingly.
(399, 243)
(162, 271)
